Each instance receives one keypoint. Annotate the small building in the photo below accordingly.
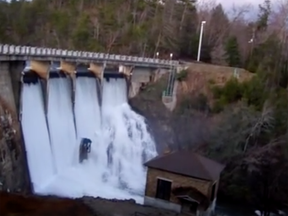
(183, 181)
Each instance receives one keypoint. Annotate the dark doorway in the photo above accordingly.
(188, 207)
(193, 207)
(213, 191)
(163, 189)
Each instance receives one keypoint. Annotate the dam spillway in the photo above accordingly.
(38, 149)
(61, 124)
(121, 142)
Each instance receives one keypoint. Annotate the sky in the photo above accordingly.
(227, 3)
(254, 3)
(252, 6)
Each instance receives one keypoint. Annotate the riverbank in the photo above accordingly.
(16, 204)
(33, 205)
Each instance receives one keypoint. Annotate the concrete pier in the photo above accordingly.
(13, 166)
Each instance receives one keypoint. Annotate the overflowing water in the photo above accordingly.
(39, 155)
(129, 143)
(120, 140)
(61, 123)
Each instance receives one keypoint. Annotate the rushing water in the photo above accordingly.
(61, 123)
(120, 140)
(39, 156)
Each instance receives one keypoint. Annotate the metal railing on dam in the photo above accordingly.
(26, 53)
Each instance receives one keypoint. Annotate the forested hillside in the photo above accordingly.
(246, 127)
(141, 27)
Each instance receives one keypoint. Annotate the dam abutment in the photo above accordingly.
(16, 69)
(10, 73)
(127, 71)
(14, 175)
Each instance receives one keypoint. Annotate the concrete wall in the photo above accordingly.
(13, 167)
(6, 90)
(141, 75)
(144, 76)
(151, 201)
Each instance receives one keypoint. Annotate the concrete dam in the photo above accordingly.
(60, 102)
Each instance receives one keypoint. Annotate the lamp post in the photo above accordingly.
(171, 58)
(157, 55)
(170, 76)
(200, 40)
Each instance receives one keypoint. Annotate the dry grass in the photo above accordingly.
(202, 76)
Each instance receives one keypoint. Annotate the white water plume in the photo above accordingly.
(36, 136)
(61, 123)
(125, 133)
(120, 142)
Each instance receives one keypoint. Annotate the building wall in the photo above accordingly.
(177, 181)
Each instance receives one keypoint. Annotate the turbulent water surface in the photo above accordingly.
(120, 140)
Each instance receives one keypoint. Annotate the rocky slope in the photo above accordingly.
(229, 136)
(188, 123)
(13, 169)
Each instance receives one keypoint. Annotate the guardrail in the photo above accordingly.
(6, 49)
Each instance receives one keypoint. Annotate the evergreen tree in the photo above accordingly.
(218, 20)
(263, 16)
(81, 36)
(233, 58)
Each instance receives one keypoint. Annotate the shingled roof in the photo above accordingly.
(187, 163)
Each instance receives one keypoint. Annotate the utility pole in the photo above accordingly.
(200, 40)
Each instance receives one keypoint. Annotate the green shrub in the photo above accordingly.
(217, 91)
(232, 91)
(252, 91)
(182, 75)
(219, 105)
(188, 103)
(211, 81)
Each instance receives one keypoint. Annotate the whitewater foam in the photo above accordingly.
(129, 143)
(34, 127)
(120, 143)
(61, 123)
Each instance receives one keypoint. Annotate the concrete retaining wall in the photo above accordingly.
(150, 201)
(142, 76)
(6, 90)
(13, 166)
